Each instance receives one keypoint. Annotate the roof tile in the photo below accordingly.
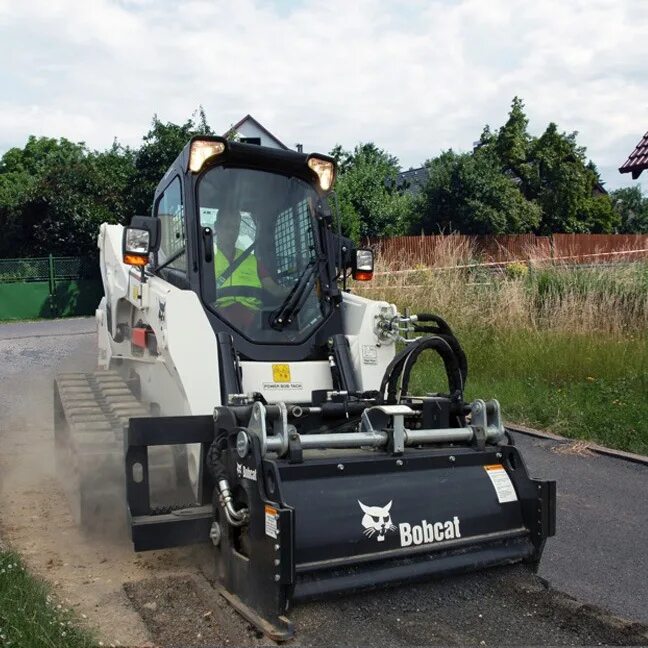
(638, 160)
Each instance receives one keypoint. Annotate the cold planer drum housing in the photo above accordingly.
(298, 516)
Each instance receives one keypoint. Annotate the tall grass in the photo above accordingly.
(533, 295)
(580, 385)
(561, 347)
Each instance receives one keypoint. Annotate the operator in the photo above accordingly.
(249, 276)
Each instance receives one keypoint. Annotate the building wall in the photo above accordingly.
(249, 129)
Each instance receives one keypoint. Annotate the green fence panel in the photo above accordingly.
(25, 301)
(12, 270)
(49, 287)
(75, 298)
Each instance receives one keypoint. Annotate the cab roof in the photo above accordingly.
(247, 155)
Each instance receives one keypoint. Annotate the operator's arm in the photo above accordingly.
(268, 283)
(273, 287)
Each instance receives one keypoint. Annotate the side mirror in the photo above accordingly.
(141, 238)
(363, 265)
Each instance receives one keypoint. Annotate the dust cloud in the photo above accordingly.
(87, 572)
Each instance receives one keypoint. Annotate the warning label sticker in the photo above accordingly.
(369, 354)
(501, 483)
(271, 516)
(281, 373)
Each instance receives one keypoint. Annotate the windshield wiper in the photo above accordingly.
(296, 297)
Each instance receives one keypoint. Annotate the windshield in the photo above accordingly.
(267, 260)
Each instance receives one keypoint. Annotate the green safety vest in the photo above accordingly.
(247, 274)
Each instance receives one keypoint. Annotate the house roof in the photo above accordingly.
(249, 117)
(419, 174)
(412, 180)
(638, 160)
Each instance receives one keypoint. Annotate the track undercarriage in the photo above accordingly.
(91, 412)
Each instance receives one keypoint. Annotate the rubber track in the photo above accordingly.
(92, 410)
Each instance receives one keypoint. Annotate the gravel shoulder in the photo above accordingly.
(164, 598)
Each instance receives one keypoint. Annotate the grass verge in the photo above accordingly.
(29, 616)
(585, 386)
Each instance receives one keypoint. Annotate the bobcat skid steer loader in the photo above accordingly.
(246, 398)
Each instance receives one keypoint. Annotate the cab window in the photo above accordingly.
(293, 239)
(172, 253)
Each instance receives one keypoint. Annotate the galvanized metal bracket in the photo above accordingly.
(377, 418)
(278, 441)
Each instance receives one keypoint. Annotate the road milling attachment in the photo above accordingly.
(91, 411)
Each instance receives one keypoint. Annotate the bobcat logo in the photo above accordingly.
(377, 520)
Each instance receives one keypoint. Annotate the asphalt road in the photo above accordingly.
(600, 552)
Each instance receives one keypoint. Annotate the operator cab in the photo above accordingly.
(250, 230)
(266, 248)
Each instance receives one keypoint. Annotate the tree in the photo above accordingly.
(512, 142)
(161, 146)
(513, 182)
(632, 209)
(370, 202)
(562, 182)
(54, 194)
(470, 194)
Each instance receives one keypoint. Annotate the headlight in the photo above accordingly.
(201, 151)
(137, 241)
(363, 265)
(325, 170)
(136, 246)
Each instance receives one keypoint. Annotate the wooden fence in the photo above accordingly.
(584, 248)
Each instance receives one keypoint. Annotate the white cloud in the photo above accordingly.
(414, 77)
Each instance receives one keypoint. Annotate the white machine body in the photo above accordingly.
(182, 376)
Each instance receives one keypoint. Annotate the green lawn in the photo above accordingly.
(29, 616)
(585, 386)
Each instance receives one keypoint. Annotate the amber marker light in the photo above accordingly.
(135, 259)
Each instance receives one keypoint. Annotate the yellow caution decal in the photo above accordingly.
(281, 373)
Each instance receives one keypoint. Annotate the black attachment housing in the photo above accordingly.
(344, 522)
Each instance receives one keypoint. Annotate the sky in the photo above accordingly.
(414, 77)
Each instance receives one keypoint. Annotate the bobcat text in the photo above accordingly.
(428, 532)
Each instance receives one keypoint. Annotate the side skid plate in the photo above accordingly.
(281, 629)
(161, 529)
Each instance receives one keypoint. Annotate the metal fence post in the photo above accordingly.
(52, 286)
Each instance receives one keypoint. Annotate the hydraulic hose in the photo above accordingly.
(213, 459)
(222, 492)
(441, 340)
(443, 330)
(450, 361)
